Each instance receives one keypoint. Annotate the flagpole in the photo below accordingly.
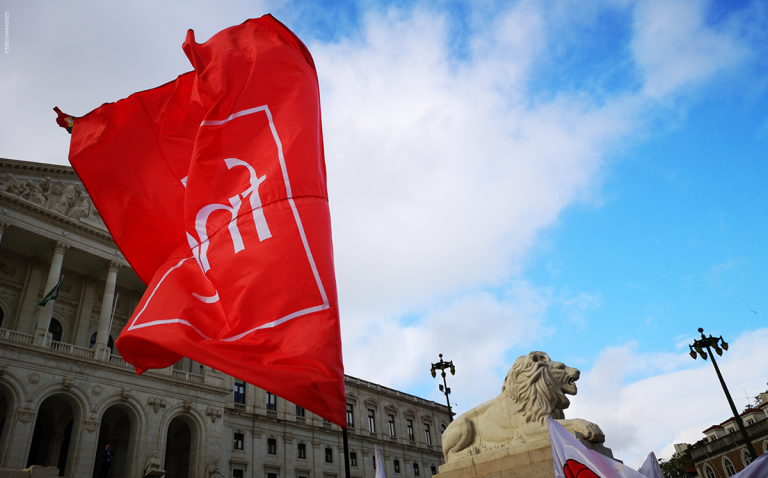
(346, 451)
(112, 318)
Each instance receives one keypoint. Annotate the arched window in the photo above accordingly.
(110, 342)
(745, 457)
(730, 470)
(2, 315)
(765, 446)
(709, 472)
(55, 329)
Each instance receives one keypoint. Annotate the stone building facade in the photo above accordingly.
(65, 392)
(723, 452)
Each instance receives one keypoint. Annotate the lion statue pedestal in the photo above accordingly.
(507, 436)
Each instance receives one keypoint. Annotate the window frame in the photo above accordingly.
(328, 455)
(391, 423)
(239, 392)
(427, 434)
(238, 438)
(350, 415)
(352, 458)
(271, 401)
(271, 446)
(301, 451)
(409, 427)
(728, 467)
(372, 420)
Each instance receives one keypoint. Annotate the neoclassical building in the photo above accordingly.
(65, 392)
(723, 452)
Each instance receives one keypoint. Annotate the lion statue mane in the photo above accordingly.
(535, 388)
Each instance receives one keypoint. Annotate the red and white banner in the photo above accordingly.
(573, 460)
(214, 188)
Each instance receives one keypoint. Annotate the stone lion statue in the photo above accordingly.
(535, 388)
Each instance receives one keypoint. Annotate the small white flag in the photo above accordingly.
(379, 463)
(651, 468)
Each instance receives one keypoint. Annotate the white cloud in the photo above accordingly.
(675, 47)
(676, 397)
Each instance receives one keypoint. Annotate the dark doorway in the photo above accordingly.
(177, 449)
(52, 435)
(115, 430)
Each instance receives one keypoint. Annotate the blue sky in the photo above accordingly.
(583, 178)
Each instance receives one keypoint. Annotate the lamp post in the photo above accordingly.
(442, 365)
(719, 345)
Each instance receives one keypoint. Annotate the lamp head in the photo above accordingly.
(703, 355)
(433, 372)
(724, 343)
(693, 352)
(453, 369)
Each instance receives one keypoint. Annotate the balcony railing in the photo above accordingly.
(182, 375)
(14, 336)
(755, 430)
(82, 352)
(71, 349)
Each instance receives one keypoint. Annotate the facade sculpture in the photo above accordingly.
(535, 388)
(65, 392)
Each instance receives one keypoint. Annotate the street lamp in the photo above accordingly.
(719, 345)
(442, 365)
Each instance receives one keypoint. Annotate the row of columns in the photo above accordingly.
(41, 335)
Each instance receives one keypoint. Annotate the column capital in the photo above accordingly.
(114, 266)
(60, 247)
(4, 226)
(39, 265)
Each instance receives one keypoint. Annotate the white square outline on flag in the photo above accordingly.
(289, 197)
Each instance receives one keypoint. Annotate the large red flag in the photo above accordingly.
(214, 188)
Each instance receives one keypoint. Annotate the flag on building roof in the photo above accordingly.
(214, 187)
(53, 294)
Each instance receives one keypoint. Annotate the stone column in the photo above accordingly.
(86, 311)
(3, 227)
(23, 424)
(54, 274)
(102, 337)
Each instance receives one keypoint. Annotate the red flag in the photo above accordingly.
(214, 188)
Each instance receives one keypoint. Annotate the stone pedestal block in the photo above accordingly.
(532, 460)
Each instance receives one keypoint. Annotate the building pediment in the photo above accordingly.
(53, 189)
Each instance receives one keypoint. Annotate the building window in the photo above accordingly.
(271, 401)
(372, 420)
(239, 392)
(353, 459)
(271, 475)
(397, 466)
(300, 411)
(391, 421)
(409, 425)
(56, 330)
(350, 416)
(303, 451)
(730, 470)
(442, 428)
(427, 434)
(709, 472)
(373, 458)
(239, 441)
(750, 422)
(237, 473)
(415, 469)
(271, 446)
(329, 455)
(434, 470)
(745, 458)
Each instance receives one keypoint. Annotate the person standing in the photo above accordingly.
(106, 461)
